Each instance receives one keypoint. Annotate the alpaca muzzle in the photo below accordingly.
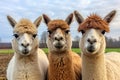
(91, 48)
(25, 51)
(58, 45)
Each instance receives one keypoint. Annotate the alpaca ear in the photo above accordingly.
(37, 21)
(108, 18)
(46, 19)
(69, 19)
(11, 21)
(78, 17)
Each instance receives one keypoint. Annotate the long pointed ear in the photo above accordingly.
(108, 18)
(37, 21)
(46, 19)
(11, 21)
(78, 17)
(69, 19)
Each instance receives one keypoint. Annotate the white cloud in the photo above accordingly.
(55, 9)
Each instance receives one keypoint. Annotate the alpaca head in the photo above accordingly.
(59, 38)
(93, 29)
(25, 35)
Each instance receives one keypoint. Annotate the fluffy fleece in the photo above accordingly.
(25, 26)
(98, 66)
(54, 24)
(94, 21)
(63, 65)
(27, 67)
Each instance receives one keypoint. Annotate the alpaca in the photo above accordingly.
(96, 65)
(29, 62)
(64, 64)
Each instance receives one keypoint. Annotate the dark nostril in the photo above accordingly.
(88, 40)
(61, 38)
(56, 38)
(27, 44)
(95, 41)
(92, 41)
(22, 44)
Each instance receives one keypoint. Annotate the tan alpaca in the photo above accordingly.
(64, 63)
(95, 64)
(29, 62)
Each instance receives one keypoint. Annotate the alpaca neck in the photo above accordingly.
(93, 67)
(61, 66)
(26, 59)
(27, 65)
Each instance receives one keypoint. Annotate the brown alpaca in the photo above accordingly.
(94, 21)
(64, 63)
(96, 65)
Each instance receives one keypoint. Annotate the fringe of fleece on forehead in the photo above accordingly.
(94, 21)
(25, 26)
(52, 25)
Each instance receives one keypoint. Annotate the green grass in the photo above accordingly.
(77, 50)
(112, 50)
(6, 51)
(45, 50)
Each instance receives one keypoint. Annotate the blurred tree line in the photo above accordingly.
(110, 42)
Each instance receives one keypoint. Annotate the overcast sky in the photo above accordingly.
(55, 9)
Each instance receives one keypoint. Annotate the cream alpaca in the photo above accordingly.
(64, 64)
(96, 65)
(29, 62)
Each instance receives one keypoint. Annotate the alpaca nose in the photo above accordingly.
(91, 41)
(59, 38)
(25, 45)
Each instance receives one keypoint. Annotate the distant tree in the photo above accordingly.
(119, 39)
(111, 40)
(0, 39)
(43, 37)
(77, 38)
(106, 38)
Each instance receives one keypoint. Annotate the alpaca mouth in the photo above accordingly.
(25, 51)
(91, 48)
(58, 46)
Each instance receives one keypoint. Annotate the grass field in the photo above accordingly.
(5, 56)
(77, 50)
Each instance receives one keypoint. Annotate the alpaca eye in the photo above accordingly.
(67, 31)
(34, 35)
(103, 32)
(82, 31)
(50, 32)
(16, 35)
